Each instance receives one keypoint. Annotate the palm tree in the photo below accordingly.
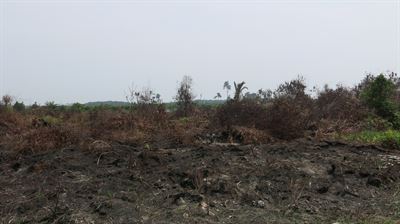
(238, 90)
(228, 87)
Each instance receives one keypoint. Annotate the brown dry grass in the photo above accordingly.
(288, 114)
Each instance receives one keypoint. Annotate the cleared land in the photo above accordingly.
(301, 181)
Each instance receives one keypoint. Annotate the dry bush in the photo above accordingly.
(129, 137)
(289, 118)
(54, 132)
(99, 146)
(184, 97)
(245, 135)
(243, 121)
(44, 138)
(117, 126)
(294, 89)
(128, 127)
(290, 112)
(12, 123)
(145, 104)
(330, 128)
(286, 116)
(339, 104)
(103, 122)
(6, 101)
(184, 131)
(153, 114)
(338, 110)
(246, 113)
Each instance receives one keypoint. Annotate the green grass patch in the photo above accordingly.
(387, 139)
(51, 120)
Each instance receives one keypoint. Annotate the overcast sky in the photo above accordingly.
(80, 51)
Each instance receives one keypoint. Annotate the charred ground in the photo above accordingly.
(302, 181)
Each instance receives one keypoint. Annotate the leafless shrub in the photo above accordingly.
(6, 103)
(197, 176)
(185, 97)
(296, 188)
(144, 103)
(7, 100)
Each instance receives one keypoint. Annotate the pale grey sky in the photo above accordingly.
(89, 50)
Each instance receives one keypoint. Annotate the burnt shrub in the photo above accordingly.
(339, 104)
(184, 97)
(11, 123)
(45, 138)
(103, 122)
(245, 135)
(152, 113)
(145, 106)
(289, 118)
(182, 131)
(246, 113)
(290, 112)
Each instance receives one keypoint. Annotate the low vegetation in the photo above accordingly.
(388, 139)
(368, 113)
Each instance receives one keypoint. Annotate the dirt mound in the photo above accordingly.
(295, 182)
